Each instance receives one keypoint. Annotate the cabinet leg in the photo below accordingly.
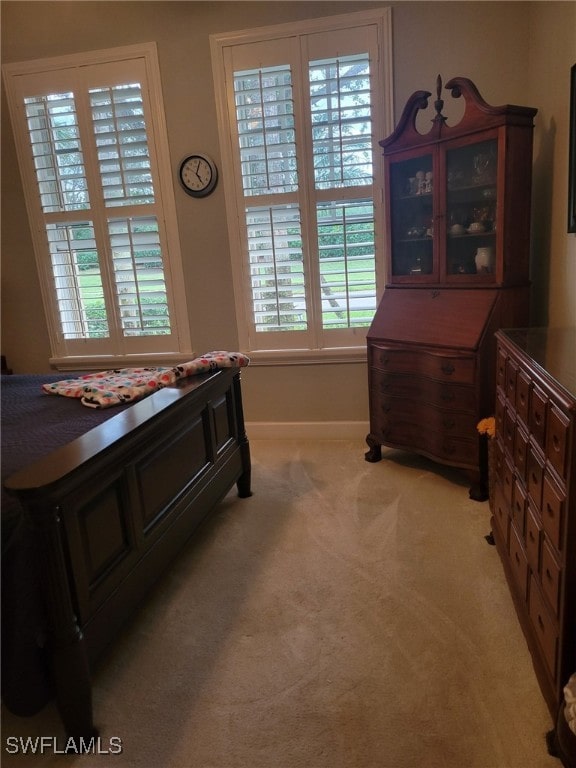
(375, 452)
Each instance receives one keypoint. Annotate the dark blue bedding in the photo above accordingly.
(35, 423)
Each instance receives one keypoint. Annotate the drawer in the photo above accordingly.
(535, 475)
(501, 516)
(550, 577)
(522, 395)
(498, 461)
(537, 415)
(509, 429)
(553, 502)
(501, 358)
(533, 538)
(557, 428)
(393, 412)
(510, 380)
(519, 502)
(499, 412)
(459, 397)
(441, 367)
(518, 562)
(508, 481)
(544, 627)
(404, 433)
(520, 450)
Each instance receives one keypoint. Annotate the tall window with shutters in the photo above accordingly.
(89, 144)
(302, 108)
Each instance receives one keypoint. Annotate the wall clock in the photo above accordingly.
(198, 175)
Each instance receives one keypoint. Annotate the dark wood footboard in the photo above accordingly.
(113, 508)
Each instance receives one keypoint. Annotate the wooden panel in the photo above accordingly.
(433, 317)
(544, 627)
(537, 415)
(509, 429)
(457, 397)
(520, 449)
(501, 358)
(557, 430)
(510, 380)
(104, 531)
(550, 577)
(393, 413)
(519, 563)
(501, 515)
(522, 395)
(178, 462)
(533, 538)
(535, 475)
(519, 501)
(223, 416)
(441, 366)
(553, 502)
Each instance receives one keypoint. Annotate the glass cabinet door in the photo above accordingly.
(411, 219)
(471, 204)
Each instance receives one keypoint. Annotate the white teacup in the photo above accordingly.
(476, 226)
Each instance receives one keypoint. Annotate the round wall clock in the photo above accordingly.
(198, 175)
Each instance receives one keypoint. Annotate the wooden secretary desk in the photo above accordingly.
(458, 240)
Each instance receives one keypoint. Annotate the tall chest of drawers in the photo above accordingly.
(534, 507)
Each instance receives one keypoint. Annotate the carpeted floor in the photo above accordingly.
(348, 615)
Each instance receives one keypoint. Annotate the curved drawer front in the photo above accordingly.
(435, 365)
(397, 413)
(455, 396)
(441, 435)
(455, 450)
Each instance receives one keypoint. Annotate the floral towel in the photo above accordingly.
(124, 385)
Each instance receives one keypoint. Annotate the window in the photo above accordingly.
(301, 110)
(91, 142)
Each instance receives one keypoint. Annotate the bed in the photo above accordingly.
(95, 506)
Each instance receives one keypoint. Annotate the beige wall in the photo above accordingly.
(505, 48)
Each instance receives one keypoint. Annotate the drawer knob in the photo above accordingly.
(448, 423)
(447, 396)
(448, 368)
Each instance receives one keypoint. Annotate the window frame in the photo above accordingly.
(63, 355)
(382, 117)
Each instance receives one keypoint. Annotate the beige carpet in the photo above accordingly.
(348, 615)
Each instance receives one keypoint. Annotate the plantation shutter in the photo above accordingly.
(91, 145)
(302, 126)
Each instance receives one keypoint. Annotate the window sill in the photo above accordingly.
(109, 362)
(274, 357)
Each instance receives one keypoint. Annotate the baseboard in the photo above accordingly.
(307, 430)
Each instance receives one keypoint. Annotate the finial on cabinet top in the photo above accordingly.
(439, 103)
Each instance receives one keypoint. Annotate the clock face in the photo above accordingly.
(198, 175)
